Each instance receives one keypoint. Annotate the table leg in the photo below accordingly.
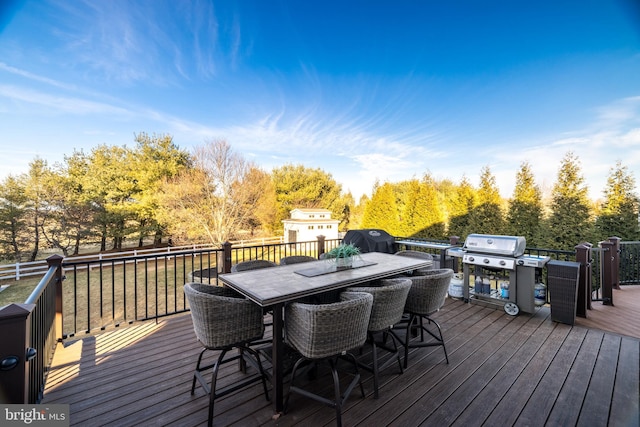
(277, 358)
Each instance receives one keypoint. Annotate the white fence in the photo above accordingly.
(23, 270)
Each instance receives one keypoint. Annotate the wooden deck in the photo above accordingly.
(525, 370)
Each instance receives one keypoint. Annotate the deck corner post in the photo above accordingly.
(14, 367)
(583, 256)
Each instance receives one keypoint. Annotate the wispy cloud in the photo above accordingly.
(60, 103)
(35, 77)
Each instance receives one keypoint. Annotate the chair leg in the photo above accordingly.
(212, 393)
(440, 338)
(292, 385)
(395, 348)
(195, 376)
(407, 337)
(374, 350)
(263, 374)
(339, 398)
(336, 391)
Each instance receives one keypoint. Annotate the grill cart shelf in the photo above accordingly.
(499, 260)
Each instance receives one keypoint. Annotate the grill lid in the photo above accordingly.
(512, 246)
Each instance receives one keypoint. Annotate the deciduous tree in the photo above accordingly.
(213, 200)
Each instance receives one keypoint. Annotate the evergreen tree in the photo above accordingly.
(112, 187)
(487, 216)
(14, 237)
(156, 158)
(301, 187)
(461, 208)
(569, 221)
(70, 217)
(381, 211)
(427, 217)
(410, 221)
(619, 211)
(525, 208)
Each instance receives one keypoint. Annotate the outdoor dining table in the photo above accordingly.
(273, 287)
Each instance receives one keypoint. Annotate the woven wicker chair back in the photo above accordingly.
(221, 317)
(254, 264)
(428, 291)
(388, 302)
(296, 259)
(324, 330)
(415, 254)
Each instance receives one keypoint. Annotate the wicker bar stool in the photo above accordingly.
(426, 296)
(325, 333)
(388, 306)
(224, 320)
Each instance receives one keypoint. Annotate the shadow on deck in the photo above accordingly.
(503, 370)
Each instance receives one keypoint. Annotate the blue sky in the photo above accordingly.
(364, 90)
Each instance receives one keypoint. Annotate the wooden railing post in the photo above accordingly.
(15, 338)
(583, 256)
(226, 250)
(56, 261)
(615, 267)
(321, 240)
(606, 272)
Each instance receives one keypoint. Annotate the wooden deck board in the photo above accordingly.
(601, 386)
(479, 376)
(569, 401)
(503, 370)
(626, 386)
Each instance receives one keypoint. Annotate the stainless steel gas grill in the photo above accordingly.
(503, 276)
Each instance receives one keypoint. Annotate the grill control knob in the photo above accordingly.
(502, 262)
(520, 262)
(471, 259)
(486, 261)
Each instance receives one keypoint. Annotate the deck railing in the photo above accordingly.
(110, 292)
(107, 293)
(29, 333)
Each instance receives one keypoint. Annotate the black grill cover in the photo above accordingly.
(371, 240)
